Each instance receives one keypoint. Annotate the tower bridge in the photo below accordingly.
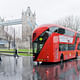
(28, 23)
(15, 22)
(11, 22)
(27, 17)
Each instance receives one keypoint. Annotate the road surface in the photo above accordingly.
(12, 68)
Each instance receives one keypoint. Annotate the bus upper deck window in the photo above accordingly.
(53, 29)
(61, 31)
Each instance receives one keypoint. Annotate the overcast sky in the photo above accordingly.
(47, 11)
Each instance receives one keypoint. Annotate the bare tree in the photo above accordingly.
(72, 22)
(8, 38)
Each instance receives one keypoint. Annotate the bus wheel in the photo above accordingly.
(62, 58)
(76, 55)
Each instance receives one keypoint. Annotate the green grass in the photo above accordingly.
(22, 50)
(6, 49)
(21, 54)
(24, 54)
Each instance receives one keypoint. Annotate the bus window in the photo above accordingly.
(57, 30)
(78, 46)
(34, 35)
(35, 47)
(61, 31)
(78, 35)
(41, 45)
(63, 47)
(45, 36)
(69, 33)
(53, 29)
(71, 46)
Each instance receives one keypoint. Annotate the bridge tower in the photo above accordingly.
(28, 24)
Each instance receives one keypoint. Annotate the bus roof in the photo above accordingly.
(52, 25)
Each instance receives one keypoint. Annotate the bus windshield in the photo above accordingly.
(37, 46)
(39, 42)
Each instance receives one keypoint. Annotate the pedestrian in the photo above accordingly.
(0, 58)
(15, 54)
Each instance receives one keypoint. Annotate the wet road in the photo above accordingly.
(22, 69)
(16, 68)
(69, 70)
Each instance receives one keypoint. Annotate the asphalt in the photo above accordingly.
(68, 70)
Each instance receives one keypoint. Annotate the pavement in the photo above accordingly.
(12, 68)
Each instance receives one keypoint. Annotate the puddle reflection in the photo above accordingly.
(12, 68)
(69, 70)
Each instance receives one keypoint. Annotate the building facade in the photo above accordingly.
(3, 36)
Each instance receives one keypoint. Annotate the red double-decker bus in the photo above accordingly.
(54, 43)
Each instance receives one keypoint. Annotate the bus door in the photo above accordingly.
(56, 46)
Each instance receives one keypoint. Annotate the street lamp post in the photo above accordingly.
(14, 38)
(15, 49)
